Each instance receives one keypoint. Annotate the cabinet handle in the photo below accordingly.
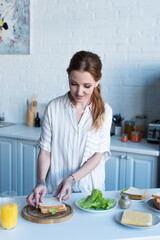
(123, 156)
(128, 158)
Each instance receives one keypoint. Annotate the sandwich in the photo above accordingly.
(51, 205)
(156, 200)
(136, 193)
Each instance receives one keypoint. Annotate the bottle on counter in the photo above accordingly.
(37, 120)
(124, 202)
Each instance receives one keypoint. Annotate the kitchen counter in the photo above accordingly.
(31, 133)
(84, 225)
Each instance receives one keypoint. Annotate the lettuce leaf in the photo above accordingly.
(53, 210)
(96, 200)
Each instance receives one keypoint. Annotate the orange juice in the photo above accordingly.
(9, 215)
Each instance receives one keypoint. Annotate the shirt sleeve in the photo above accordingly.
(104, 144)
(99, 141)
(45, 139)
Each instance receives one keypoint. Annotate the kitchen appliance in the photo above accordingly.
(154, 131)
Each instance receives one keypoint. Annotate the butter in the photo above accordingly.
(136, 218)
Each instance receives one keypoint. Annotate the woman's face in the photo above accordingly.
(81, 86)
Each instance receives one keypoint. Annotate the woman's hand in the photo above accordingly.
(38, 190)
(64, 189)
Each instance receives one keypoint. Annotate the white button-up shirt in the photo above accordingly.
(71, 144)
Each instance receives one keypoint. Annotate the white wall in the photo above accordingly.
(126, 35)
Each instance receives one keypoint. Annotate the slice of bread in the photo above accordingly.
(136, 193)
(156, 195)
(156, 202)
(51, 202)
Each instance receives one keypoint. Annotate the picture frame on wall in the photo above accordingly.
(14, 26)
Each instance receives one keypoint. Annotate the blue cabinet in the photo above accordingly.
(27, 166)
(126, 169)
(8, 165)
(18, 165)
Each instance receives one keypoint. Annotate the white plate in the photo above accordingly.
(155, 221)
(151, 205)
(93, 210)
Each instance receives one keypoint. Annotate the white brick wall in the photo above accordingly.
(126, 35)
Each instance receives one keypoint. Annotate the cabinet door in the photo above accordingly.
(115, 171)
(141, 171)
(8, 164)
(27, 166)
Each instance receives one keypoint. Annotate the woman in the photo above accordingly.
(75, 138)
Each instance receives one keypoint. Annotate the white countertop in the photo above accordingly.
(84, 225)
(142, 147)
(20, 131)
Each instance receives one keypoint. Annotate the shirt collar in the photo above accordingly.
(68, 103)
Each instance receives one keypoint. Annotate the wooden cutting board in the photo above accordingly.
(34, 215)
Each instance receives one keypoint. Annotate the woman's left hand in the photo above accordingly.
(64, 189)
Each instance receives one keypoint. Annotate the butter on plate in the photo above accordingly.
(136, 218)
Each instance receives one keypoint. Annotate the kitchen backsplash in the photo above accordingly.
(125, 34)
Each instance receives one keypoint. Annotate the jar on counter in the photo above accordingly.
(124, 137)
(124, 202)
(140, 124)
(129, 127)
(136, 136)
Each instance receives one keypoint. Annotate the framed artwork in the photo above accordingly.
(14, 26)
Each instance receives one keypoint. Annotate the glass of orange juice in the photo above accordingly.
(9, 210)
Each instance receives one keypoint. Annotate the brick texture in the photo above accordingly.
(124, 33)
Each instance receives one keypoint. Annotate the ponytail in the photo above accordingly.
(98, 108)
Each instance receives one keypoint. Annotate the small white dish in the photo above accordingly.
(93, 210)
(150, 204)
(155, 221)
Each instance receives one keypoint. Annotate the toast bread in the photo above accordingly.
(50, 203)
(156, 202)
(156, 195)
(136, 193)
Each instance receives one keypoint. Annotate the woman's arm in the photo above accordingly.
(88, 166)
(43, 164)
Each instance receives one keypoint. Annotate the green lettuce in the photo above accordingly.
(53, 210)
(96, 200)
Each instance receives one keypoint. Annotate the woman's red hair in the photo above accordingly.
(90, 62)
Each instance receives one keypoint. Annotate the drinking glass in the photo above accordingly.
(9, 210)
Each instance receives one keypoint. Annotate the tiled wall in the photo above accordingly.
(126, 35)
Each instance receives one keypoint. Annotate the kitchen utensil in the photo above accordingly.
(117, 119)
(31, 112)
(33, 214)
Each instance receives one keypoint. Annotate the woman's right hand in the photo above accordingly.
(37, 194)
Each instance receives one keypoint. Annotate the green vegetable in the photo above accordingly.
(123, 190)
(96, 200)
(53, 210)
